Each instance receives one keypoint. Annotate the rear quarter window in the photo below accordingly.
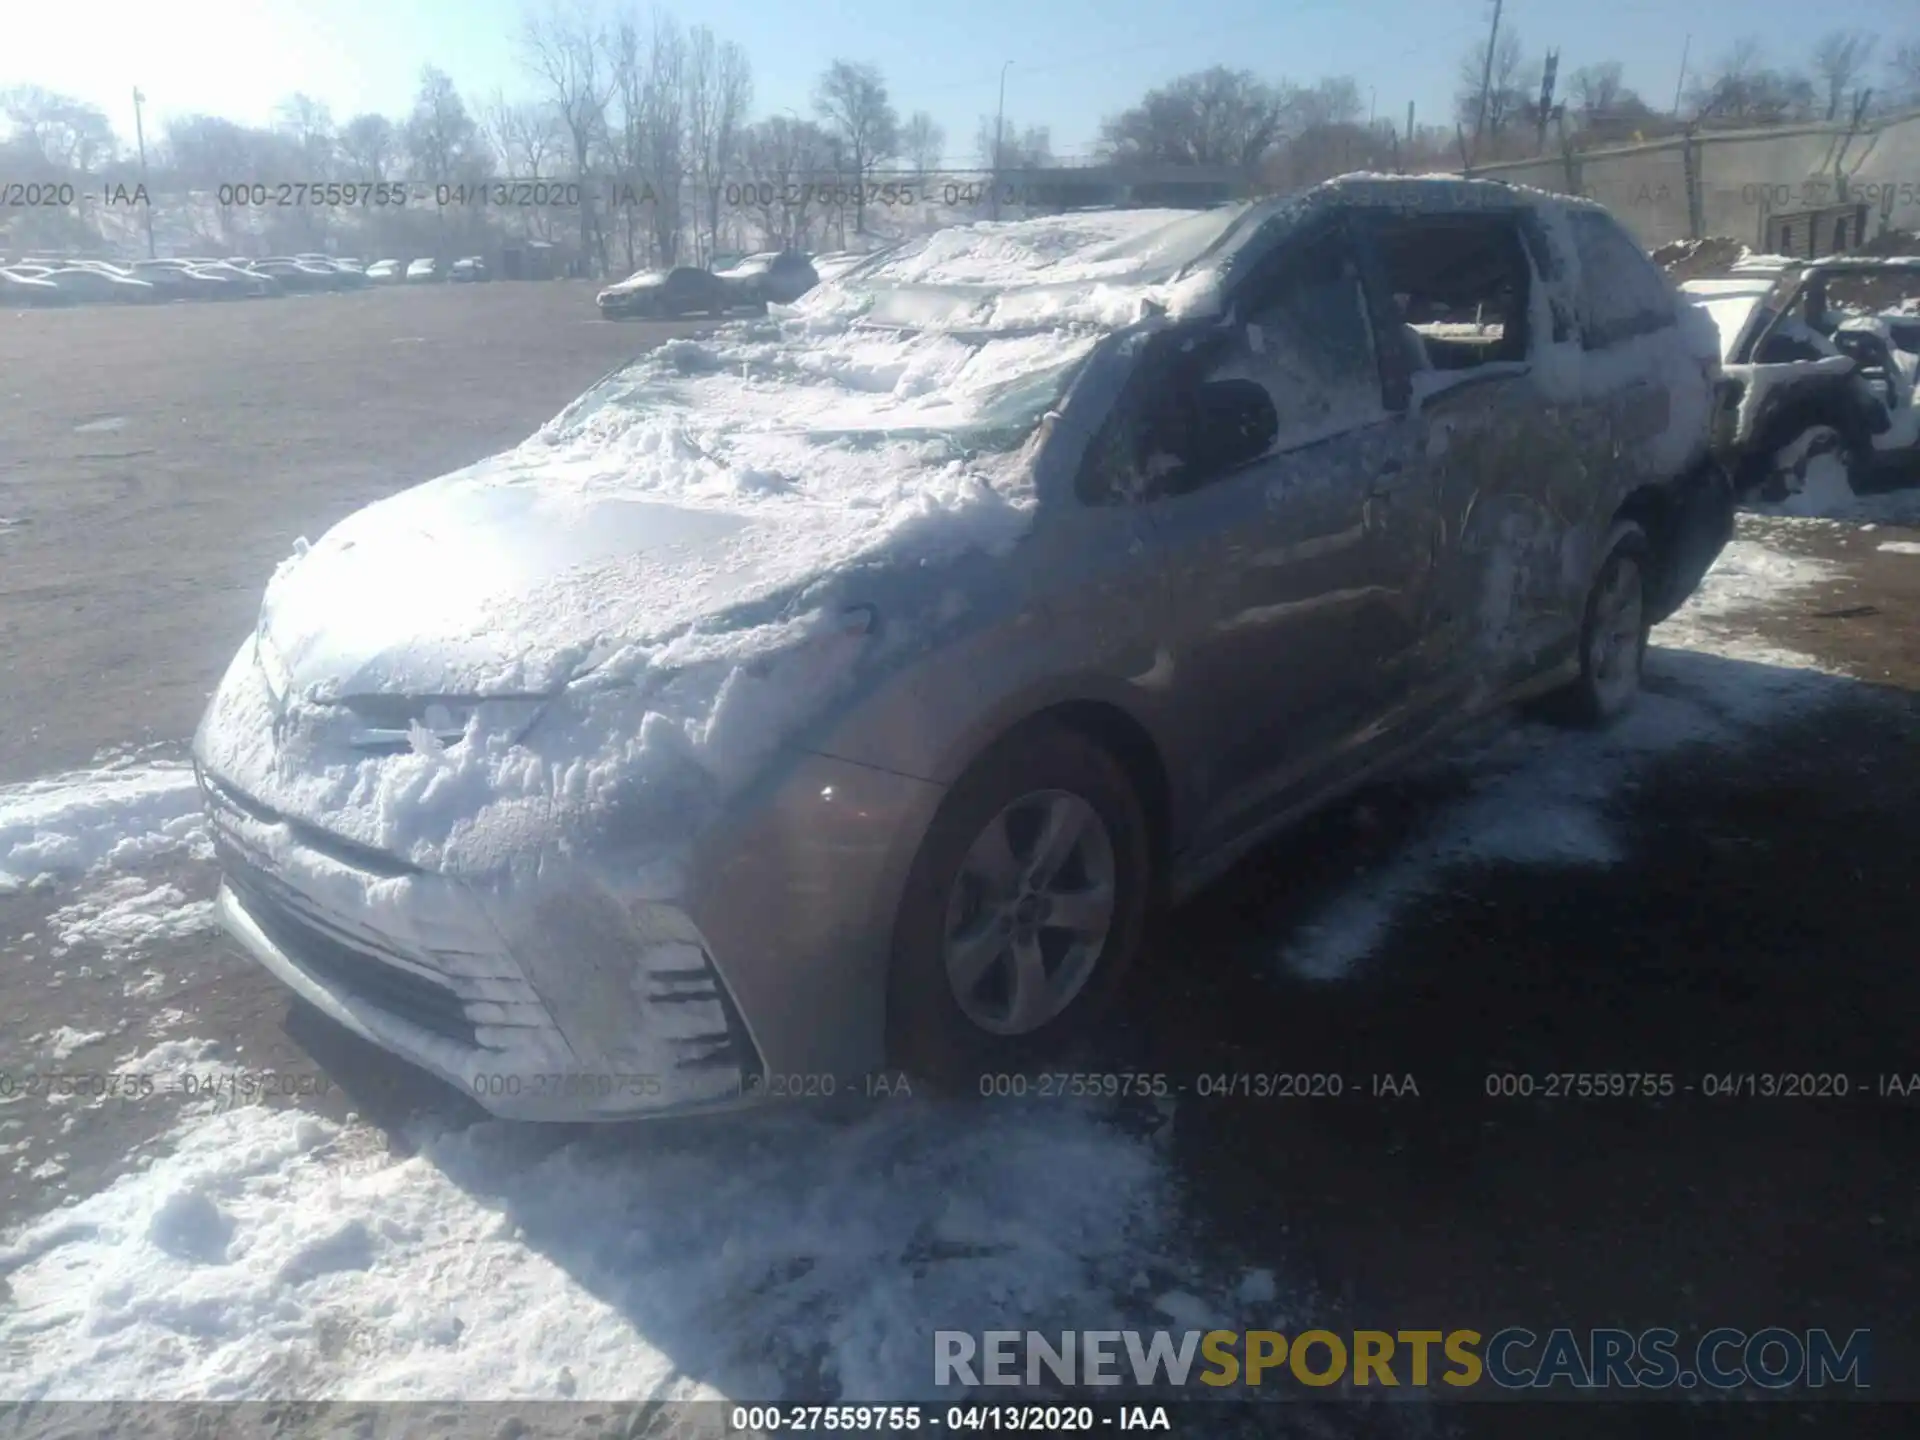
(1623, 293)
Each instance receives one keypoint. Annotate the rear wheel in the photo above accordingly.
(1025, 908)
(1613, 630)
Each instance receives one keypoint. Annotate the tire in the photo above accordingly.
(1788, 467)
(952, 1033)
(1613, 631)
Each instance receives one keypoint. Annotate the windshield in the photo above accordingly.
(993, 403)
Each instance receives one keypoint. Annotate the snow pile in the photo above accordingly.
(1828, 495)
(1541, 795)
(125, 913)
(271, 1254)
(92, 821)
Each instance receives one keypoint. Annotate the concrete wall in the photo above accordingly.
(1742, 177)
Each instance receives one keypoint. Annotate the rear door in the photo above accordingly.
(1502, 459)
(1628, 324)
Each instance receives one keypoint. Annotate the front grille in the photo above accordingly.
(342, 962)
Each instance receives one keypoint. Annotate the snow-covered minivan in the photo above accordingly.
(842, 690)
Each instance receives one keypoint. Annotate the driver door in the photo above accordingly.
(1296, 582)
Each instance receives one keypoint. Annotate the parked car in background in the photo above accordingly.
(103, 283)
(683, 290)
(247, 283)
(777, 277)
(1813, 386)
(183, 281)
(425, 270)
(386, 272)
(1236, 538)
(297, 275)
(30, 289)
(469, 269)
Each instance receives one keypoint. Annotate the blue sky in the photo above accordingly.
(1074, 61)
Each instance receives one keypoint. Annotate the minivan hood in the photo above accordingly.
(469, 587)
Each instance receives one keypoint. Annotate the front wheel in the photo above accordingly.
(1613, 630)
(1024, 910)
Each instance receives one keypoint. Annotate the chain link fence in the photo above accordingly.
(1804, 189)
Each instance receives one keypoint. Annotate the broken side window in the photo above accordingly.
(1461, 283)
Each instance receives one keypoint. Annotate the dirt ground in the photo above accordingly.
(1762, 920)
(159, 461)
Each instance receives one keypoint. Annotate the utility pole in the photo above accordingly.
(1548, 74)
(140, 138)
(1681, 84)
(1486, 76)
(1409, 122)
(999, 125)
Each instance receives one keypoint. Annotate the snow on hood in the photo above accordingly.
(716, 472)
(687, 531)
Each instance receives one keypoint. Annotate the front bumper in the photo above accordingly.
(552, 980)
(415, 963)
(622, 307)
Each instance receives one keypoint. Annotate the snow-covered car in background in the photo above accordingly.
(301, 275)
(184, 281)
(808, 700)
(776, 277)
(102, 283)
(425, 270)
(247, 283)
(1815, 390)
(30, 289)
(386, 272)
(659, 294)
(468, 269)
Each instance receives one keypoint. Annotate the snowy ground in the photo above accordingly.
(274, 1252)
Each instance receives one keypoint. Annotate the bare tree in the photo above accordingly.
(783, 155)
(370, 145)
(923, 142)
(63, 135)
(719, 91)
(567, 51)
(1325, 136)
(663, 132)
(442, 141)
(1511, 85)
(1212, 117)
(309, 124)
(528, 141)
(1601, 106)
(852, 99)
(1029, 149)
(1743, 89)
(1903, 73)
(1839, 60)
